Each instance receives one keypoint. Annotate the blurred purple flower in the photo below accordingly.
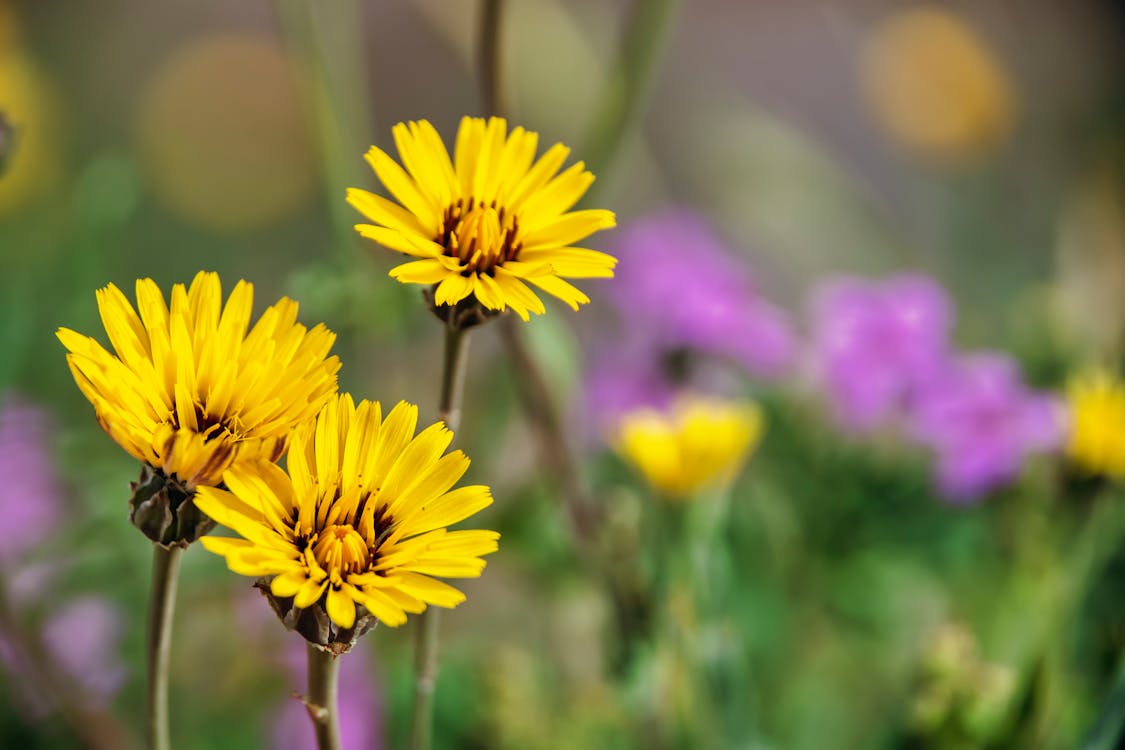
(30, 495)
(876, 343)
(82, 638)
(982, 422)
(624, 380)
(678, 286)
(80, 642)
(361, 716)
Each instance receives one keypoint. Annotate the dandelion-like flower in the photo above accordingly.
(698, 443)
(357, 525)
(487, 222)
(1096, 402)
(190, 392)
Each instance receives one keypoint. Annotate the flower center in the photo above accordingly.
(340, 549)
(479, 235)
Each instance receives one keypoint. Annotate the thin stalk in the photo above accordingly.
(162, 607)
(322, 700)
(489, 52)
(427, 625)
(631, 608)
(1098, 538)
(646, 32)
(327, 40)
(453, 376)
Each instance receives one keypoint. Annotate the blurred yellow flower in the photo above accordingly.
(1096, 402)
(27, 102)
(359, 519)
(699, 443)
(488, 222)
(224, 141)
(188, 391)
(934, 84)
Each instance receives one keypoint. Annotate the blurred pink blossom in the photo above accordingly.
(982, 423)
(30, 495)
(875, 343)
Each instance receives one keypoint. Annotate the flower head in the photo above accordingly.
(698, 443)
(190, 392)
(487, 222)
(982, 423)
(359, 519)
(679, 286)
(876, 343)
(1096, 402)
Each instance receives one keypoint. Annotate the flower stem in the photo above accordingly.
(631, 608)
(321, 702)
(488, 50)
(645, 34)
(162, 606)
(453, 376)
(428, 623)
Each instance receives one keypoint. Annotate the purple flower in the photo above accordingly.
(80, 645)
(678, 286)
(876, 343)
(624, 380)
(361, 723)
(82, 638)
(982, 422)
(30, 496)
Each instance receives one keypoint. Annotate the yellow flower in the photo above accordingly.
(360, 517)
(700, 442)
(1096, 403)
(488, 222)
(189, 391)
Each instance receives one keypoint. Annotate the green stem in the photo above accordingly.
(645, 36)
(427, 625)
(327, 40)
(453, 376)
(1098, 538)
(162, 606)
(489, 49)
(631, 607)
(425, 678)
(321, 702)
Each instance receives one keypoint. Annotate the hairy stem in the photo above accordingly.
(321, 702)
(427, 624)
(162, 607)
(646, 32)
(631, 607)
(489, 58)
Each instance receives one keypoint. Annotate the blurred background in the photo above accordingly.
(863, 582)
